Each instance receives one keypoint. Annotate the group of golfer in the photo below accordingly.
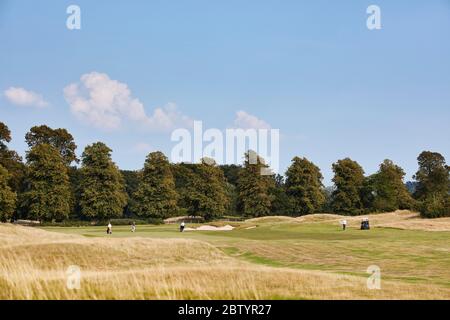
(133, 227)
(109, 228)
(364, 225)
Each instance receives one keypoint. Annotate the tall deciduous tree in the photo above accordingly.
(132, 179)
(11, 161)
(212, 193)
(75, 181)
(281, 202)
(5, 135)
(389, 191)
(156, 195)
(433, 186)
(348, 180)
(7, 196)
(231, 172)
(203, 189)
(61, 139)
(184, 176)
(254, 186)
(304, 186)
(47, 195)
(102, 189)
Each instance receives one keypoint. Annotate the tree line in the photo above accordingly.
(52, 184)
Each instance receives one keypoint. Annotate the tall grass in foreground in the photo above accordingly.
(33, 265)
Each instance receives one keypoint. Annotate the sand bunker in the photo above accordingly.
(211, 228)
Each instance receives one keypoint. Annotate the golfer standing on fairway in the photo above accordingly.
(182, 226)
(109, 229)
(344, 224)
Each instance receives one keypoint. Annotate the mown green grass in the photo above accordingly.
(403, 255)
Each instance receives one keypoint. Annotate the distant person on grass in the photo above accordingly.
(182, 226)
(344, 224)
(109, 228)
(133, 227)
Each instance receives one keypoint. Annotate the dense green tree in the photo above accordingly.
(61, 139)
(47, 194)
(132, 179)
(203, 189)
(435, 206)
(304, 186)
(389, 191)
(11, 161)
(232, 195)
(184, 176)
(432, 176)
(8, 197)
(368, 193)
(231, 172)
(212, 193)
(156, 196)
(328, 204)
(281, 202)
(75, 178)
(5, 135)
(349, 181)
(102, 189)
(254, 186)
(433, 185)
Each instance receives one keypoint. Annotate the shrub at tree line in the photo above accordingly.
(50, 187)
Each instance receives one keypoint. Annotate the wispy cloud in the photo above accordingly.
(22, 97)
(245, 120)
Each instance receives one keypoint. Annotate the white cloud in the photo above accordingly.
(245, 120)
(105, 103)
(168, 118)
(23, 97)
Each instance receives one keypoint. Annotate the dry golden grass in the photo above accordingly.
(191, 282)
(400, 219)
(33, 264)
(414, 222)
(404, 219)
(271, 219)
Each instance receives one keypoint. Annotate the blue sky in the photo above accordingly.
(309, 68)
